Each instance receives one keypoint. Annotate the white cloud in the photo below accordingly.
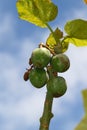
(29, 108)
(18, 99)
(80, 13)
(6, 27)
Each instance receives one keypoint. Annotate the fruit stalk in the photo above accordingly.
(47, 114)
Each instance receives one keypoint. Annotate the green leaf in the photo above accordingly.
(75, 41)
(53, 38)
(83, 124)
(54, 41)
(65, 46)
(76, 28)
(84, 93)
(38, 12)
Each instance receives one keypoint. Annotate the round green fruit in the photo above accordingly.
(60, 63)
(40, 57)
(57, 86)
(38, 77)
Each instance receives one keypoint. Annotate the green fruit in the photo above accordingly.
(38, 77)
(60, 63)
(40, 57)
(57, 86)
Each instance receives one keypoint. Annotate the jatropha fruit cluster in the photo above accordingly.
(45, 66)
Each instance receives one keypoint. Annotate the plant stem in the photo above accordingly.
(47, 115)
(51, 30)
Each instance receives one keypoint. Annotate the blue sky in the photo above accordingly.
(21, 105)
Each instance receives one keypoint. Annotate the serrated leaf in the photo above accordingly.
(38, 12)
(83, 124)
(76, 28)
(76, 42)
(53, 38)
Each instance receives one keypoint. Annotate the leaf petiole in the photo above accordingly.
(49, 27)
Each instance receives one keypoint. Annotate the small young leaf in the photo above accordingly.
(76, 29)
(38, 12)
(83, 124)
(65, 46)
(75, 41)
(53, 38)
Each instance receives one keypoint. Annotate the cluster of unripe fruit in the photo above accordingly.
(44, 69)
